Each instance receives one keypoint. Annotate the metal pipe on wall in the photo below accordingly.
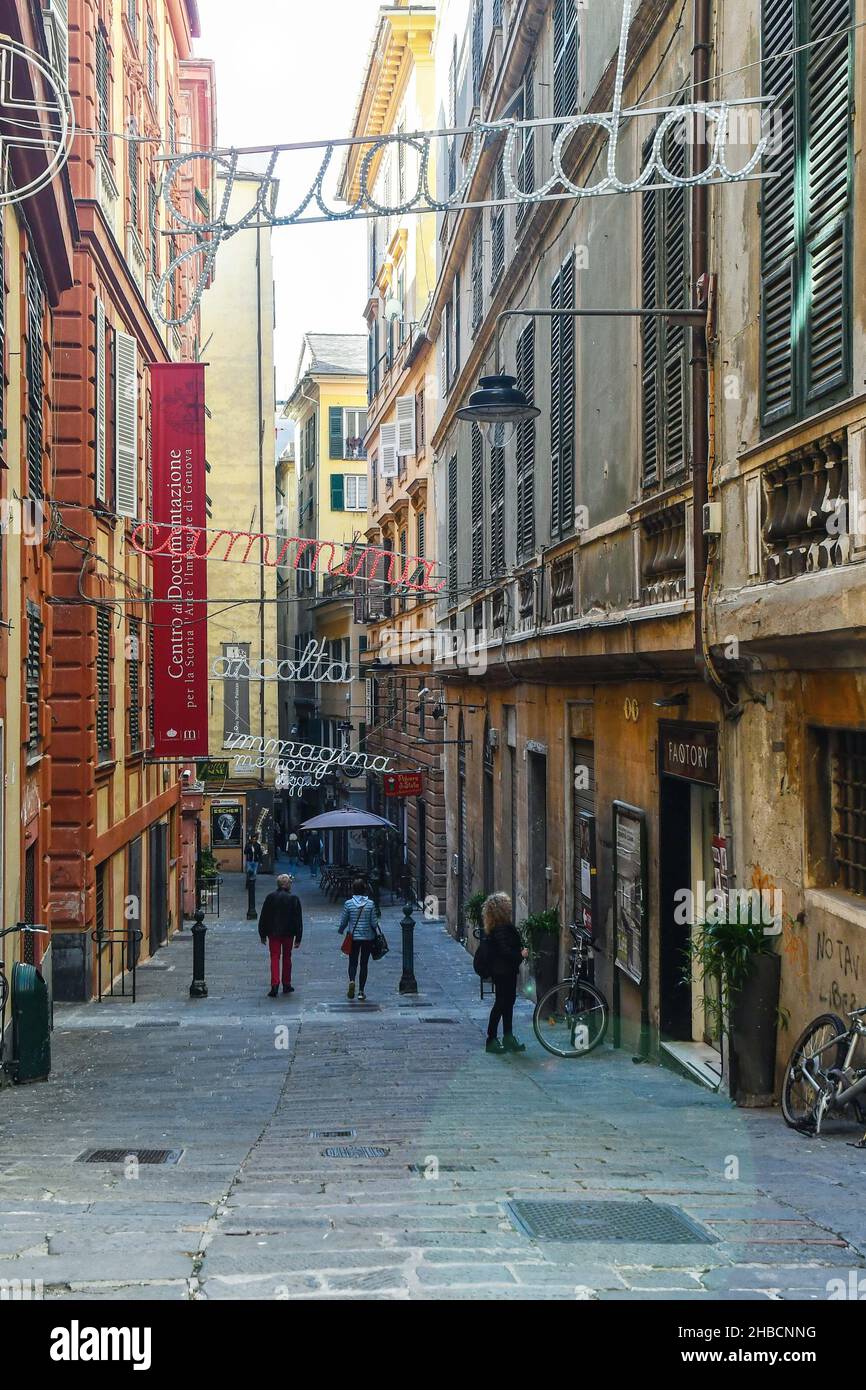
(701, 49)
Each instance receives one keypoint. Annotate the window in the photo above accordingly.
(153, 225)
(126, 425)
(374, 474)
(133, 685)
(132, 170)
(103, 684)
(373, 361)
(477, 499)
(172, 127)
(100, 422)
(100, 899)
(420, 425)
(452, 529)
(448, 329)
(452, 121)
(666, 277)
(497, 226)
(526, 158)
(103, 120)
(497, 14)
(404, 705)
(457, 306)
(477, 273)
(33, 677)
(404, 555)
(526, 447)
(806, 234)
(420, 534)
(355, 492)
(477, 50)
(151, 59)
(845, 754)
(562, 388)
(564, 57)
(35, 380)
(354, 430)
(132, 17)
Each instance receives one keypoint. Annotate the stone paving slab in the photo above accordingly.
(254, 1210)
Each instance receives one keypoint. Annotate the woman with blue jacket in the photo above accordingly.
(359, 919)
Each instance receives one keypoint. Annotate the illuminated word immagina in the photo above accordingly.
(309, 753)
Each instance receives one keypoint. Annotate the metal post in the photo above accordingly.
(251, 898)
(198, 988)
(408, 983)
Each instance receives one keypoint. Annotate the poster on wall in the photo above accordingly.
(180, 713)
(236, 691)
(226, 826)
(629, 889)
(585, 896)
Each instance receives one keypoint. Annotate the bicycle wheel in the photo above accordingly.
(570, 1019)
(813, 1055)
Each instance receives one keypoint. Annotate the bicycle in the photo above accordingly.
(821, 1078)
(571, 1018)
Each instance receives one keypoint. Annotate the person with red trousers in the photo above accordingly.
(281, 925)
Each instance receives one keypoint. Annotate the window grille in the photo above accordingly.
(848, 777)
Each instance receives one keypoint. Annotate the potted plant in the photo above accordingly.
(738, 954)
(208, 868)
(541, 932)
(472, 912)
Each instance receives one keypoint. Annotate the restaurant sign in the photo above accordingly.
(403, 783)
(690, 752)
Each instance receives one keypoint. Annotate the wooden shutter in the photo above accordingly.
(779, 271)
(677, 294)
(457, 306)
(35, 380)
(335, 432)
(420, 535)
(477, 49)
(388, 450)
(562, 362)
(497, 225)
(827, 269)
(103, 680)
(564, 57)
(477, 499)
(126, 426)
(651, 341)
(337, 499)
(497, 511)
(100, 404)
(526, 159)
(405, 425)
(103, 122)
(452, 529)
(526, 446)
(477, 272)
(132, 168)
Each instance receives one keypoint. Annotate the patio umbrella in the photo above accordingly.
(347, 818)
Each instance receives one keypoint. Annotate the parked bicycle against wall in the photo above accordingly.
(571, 1018)
(821, 1078)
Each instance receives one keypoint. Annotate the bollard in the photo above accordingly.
(251, 898)
(408, 983)
(198, 988)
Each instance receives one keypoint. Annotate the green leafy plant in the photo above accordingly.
(540, 929)
(208, 866)
(472, 909)
(724, 952)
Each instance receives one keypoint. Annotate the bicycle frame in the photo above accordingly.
(853, 1034)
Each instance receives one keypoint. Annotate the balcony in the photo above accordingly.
(135, 257)
(663, 555)
(804, 491)
(562, 589)
(526, 602)
(107, 193)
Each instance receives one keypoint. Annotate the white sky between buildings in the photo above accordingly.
(287, 71)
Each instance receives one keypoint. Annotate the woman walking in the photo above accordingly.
(506, 952)
(359, 919)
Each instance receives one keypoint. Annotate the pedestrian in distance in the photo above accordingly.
(281, 925)
(502, 953)
(293, 847)
(253, 855)
(314, 852)
(359, 922)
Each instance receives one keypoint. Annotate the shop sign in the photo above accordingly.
(403, 783)
(630, 889)
(690, 753)
(212, 770)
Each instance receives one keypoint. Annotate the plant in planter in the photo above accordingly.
(472, 912)
(738, 955)
(209, 867)
(540, 932)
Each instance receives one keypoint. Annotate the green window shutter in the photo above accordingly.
(827, 262)
(335, 432)
(779, 221)
(651, 340)
(337, 492)
(526, 447)
(477, 498)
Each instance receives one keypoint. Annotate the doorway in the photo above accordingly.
(421, 848)
(158, 918)
(537, 770)
(689, 820)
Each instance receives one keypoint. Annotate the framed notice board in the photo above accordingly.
(630, 898)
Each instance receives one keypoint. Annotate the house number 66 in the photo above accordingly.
(631, 709)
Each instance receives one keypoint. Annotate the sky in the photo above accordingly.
(292, 71)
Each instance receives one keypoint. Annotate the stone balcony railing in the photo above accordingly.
(806, 492)
(663, 555)
(562, 589)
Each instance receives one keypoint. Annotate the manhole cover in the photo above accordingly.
(639, 1223)
(356, 1151)
(437, 1020)
(124, 1155)
(362, 1007)
(332, 1133)
(157, 1023)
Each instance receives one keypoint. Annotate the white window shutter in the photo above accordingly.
(362, 492)
(100, 402)
(405, 425)
(388, 451)
(753, 525)
(126, 415)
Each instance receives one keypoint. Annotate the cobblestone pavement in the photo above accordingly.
(255, 1209)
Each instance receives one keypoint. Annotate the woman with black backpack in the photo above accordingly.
(498, 957)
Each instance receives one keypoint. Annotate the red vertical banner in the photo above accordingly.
(180, 721)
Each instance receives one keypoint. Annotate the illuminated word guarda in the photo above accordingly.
(313, 665)
(299, 552)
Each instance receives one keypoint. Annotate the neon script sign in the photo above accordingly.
(314, 664)
(299, 552)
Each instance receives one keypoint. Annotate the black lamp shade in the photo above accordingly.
(497, 401)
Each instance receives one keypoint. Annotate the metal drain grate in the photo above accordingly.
(442, 1168)
(355, 1008)
(157, 1023)
(437, 1020)
(332, 1133)
(149, 1156)
(356, 1151)
(639, 1223)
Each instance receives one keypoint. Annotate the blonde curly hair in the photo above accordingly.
(495, 911)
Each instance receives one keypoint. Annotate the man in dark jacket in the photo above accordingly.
(281, 925)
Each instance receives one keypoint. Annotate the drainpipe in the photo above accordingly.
(700, 279)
